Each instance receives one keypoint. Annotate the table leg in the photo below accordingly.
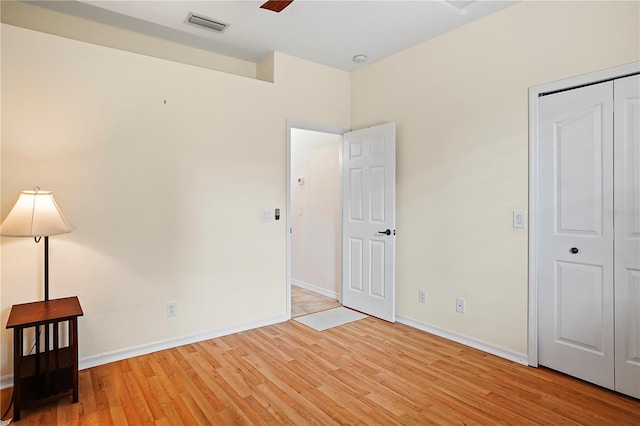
(74, 353)
(17, 367)
(47, 362)
(56, 354)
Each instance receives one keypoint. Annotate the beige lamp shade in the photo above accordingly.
(35, 214)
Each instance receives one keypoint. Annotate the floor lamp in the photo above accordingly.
(36, 215)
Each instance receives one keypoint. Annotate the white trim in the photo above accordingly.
(533, 227)
(534, 93)
(483, 346)
(588, 78)
(296, 124)
(6, 381)
(107, 357)
(316, 289)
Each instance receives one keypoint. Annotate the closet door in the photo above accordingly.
(626, 215)
(575, 289)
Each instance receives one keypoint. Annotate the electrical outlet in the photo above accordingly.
(460, 305)
(172, 309)
(422, 295)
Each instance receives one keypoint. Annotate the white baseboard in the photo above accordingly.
(6, 381)
(316, 289)
(467, 341)
(105, 358)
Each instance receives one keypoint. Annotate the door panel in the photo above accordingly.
(579, 199)
(377, 195)
(377, 250)
(626, 215)
(579, 295)
(369, 207)
(576, 239)
(356, 207)
(355, 265)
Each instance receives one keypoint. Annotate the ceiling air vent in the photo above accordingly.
(203, 21)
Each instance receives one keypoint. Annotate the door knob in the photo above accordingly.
(574, 250)
(387, 232)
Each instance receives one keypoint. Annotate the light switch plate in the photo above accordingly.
(267, 215)
(519, 219)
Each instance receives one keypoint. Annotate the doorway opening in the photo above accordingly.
(313, 218)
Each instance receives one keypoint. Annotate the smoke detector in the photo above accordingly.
(360, 59)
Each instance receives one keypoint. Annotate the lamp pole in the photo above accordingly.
(46, 268)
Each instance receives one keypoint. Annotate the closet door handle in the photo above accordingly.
(574, 250)
(387, 232)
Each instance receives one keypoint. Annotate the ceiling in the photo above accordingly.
(323, 31)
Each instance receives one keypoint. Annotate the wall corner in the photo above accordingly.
(265, 68)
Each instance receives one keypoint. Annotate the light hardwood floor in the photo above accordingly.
(365, 372)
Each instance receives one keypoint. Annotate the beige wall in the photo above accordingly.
(39, 18)
(460, 105)
(165, 197)
(315, 211)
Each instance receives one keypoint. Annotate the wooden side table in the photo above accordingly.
(51, 372)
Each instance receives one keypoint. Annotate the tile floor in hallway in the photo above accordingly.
(304, 302)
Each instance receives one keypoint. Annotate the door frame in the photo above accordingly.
(304, 125)
(534, 94)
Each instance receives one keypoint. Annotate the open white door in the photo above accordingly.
(368, 221)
